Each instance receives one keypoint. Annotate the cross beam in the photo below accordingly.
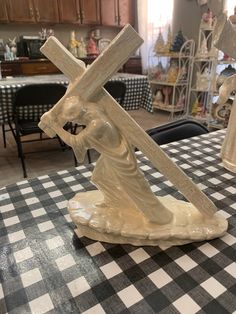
(88, 84)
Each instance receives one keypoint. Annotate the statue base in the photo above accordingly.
(129, 226)
(229, 165)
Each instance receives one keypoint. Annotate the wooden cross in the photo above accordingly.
(88, 83)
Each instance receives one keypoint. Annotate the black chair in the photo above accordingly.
(176, 130)
(117, 89)
(30, 102)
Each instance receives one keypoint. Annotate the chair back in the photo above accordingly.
(176, 130)
(31, 101)
(117, 90)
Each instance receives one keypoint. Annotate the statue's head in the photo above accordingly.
(74, 110)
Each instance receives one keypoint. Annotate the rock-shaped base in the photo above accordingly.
(127, 225)
(229, 165)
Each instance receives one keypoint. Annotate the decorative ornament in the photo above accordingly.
(92, 49)
(203, 51)
(167, 90)
(203, 80)
(178, 42)
(13, 48)
(158, 71)
(168, 44)
(73, 44)
(158, 97)
(81, 49)
(160, 44)
(181, 101)
(172, 73)
(228, 71)
(207, 19)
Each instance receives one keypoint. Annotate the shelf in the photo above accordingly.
(226, 62)
(208, 59)
(201, 119)
(206, 27)
(167, 83)
(169, 108)
(171, 55)
(216, 126)
(178, 90)
(197, 90)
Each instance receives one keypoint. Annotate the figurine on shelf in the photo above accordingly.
(50, 32)
(228, 71)
(198, 109)
(194, 108)
(213, 53)
(160, 44)
(13, 48)
(43, 34)
(73, 44)
(158, 99)
(92, 49)
(8, 55)
(81, 49)
(178, 41)
(183, 73)
(158, 71)
(168, 44)
(207, 19)
(203, 50)
(46, 33)
(167, 90)
(172, 72)
(203, 80)
(181, 101)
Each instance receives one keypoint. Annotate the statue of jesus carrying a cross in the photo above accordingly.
(124, 209)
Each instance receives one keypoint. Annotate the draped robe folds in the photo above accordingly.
(116, 173)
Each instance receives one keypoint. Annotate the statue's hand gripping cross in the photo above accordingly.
(88, 83)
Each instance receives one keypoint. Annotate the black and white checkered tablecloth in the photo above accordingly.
(45, 268)
(138, 91)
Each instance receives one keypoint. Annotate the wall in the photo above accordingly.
(187, 17)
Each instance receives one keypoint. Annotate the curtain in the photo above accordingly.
(153, 16)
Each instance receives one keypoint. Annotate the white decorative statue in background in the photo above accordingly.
(123, 209)
(224, 38)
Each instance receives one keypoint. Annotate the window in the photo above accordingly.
(153, 16)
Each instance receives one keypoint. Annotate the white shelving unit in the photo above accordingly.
(175, 94)
(204, 90)
(204, 75)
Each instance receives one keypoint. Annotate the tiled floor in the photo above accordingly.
(52, 158)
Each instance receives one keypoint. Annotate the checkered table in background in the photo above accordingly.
(138, 91)
(44, 267)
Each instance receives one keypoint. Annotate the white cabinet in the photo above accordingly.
(170, 75)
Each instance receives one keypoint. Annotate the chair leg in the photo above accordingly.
(89, 156)
(4, 136)
(21, 155)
